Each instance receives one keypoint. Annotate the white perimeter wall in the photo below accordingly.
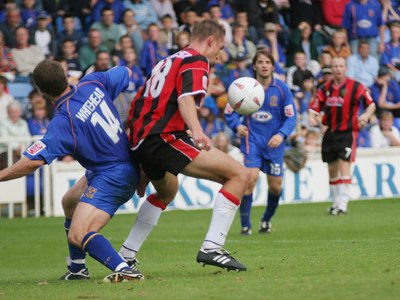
(376, 174)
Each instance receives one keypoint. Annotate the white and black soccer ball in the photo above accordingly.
(246, 95)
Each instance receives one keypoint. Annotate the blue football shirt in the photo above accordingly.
(86, 124)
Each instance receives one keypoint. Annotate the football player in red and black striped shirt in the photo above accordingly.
(160, 115)
(339, 100)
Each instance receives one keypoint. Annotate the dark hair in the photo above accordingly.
(166, 16)
(264, 52)
(50, 78)
(67, 15)
(3, 80)
(106, 8)
(100, 52)
(204, 29)
(363, 42)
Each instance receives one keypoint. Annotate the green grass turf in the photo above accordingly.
(309, 255)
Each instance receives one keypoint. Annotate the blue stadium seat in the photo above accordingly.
(20, 90)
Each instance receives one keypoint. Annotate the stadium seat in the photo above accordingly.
(20, 90)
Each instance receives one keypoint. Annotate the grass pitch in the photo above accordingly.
(309, 255)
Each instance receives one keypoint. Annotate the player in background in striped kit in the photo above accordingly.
(339, 100)
(160, 115)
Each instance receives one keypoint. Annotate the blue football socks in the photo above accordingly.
(245, 208)
(101, 250)
(273, 202)
(77, 255)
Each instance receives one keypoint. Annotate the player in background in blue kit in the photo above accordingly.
(86, 126)
(262, 138)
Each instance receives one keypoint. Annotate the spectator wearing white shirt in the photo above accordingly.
(12, 126)
(362, 66)
(5, 98)
(384, 134)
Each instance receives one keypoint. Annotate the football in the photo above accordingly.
(246, 95)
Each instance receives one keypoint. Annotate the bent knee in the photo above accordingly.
(75, 238)
(275, 189)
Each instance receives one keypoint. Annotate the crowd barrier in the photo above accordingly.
(376, 174)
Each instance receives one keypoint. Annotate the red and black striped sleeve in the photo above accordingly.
(192, 79)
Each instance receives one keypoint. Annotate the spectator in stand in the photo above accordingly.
(116, 6)
(70, 55)
(109, 31)
(26, 56)
(38, 123)
(82, 11)
(44, 35)
(29, 13)
(123, 102)
(227, 12)
(130, 27)
(7, 63)
(153, 50)
(125, 42)
(362, 66)
(297, 72)
(87, 53)
(180, 7)
(270, 40)
(189, 17)
(144, 12)
(209, 122)
(303, 97)
(37, 126)
(303, 39)
(363, 20)
(221, 142)
(241, 46)
(385, 134)
(261, 12)
(69, 32)
(163, 8)
(102, 63)
(339, 45)
(5, 98)
(243, 20)
(386, 94)
(216, 14)
(332, 12)
(13, 21)
(168, 33)
(306, 11)
(391, 54)
(312, 141)
(326, 75)
(240, 70)
(389, 12)
(12, 126)
(182, 40)
(56, 9)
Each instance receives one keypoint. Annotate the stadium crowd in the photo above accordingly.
(302, 35)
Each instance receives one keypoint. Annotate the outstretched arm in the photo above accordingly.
(21, 168)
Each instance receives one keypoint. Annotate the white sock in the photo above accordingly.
(334, 191)
(344, 193)
(223, 214)
(147, 218)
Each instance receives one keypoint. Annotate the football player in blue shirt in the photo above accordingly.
(86, 126)
(262, 138)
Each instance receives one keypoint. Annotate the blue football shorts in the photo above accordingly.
(259, 158)
(109, 189)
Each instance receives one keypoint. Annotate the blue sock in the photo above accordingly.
(273, 202)
(77, 255)
(101, 250)
(245, 208)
